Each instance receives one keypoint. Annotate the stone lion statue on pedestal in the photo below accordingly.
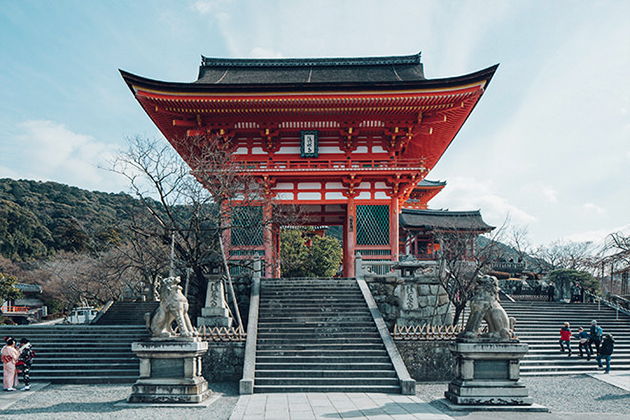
(484, 305)
(173, 307)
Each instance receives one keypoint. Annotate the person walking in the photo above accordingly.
(9, 356)
(565, 338)
(605, 352)
(25, 361)
(595, 337)
(582, 337)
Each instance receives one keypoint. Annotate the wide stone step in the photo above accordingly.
(82, 372)
(355, 381)
(318, 335)
(320, 359)
(306, 341)
(298, 373)
(321, 346)
(268, 389)
(329, 353)
(332, 324)
(320, 330)
(289, 365)
(83, 359)
(320, 319)
(93, 365)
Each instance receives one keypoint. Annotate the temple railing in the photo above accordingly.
(509, 266)
(221, 334)
(336, 164)
(426, 332)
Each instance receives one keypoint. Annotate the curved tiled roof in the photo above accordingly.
(310, 70)
(443, 220)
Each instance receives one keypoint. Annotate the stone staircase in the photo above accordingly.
(127, 313)
(318, 335)
(538, 324)
(81, 354)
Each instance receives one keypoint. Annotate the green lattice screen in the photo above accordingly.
(247, 226)
(372, 225)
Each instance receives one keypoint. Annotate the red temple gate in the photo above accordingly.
(348, 140)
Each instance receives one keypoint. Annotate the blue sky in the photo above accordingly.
(548, 145)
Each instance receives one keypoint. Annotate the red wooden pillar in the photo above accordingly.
(349, 238)
(394, 212)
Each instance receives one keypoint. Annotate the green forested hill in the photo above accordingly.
(39, 218)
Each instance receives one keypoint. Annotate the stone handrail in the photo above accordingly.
(102, 312)
(407, 383)
(246, 385)
(608, 303)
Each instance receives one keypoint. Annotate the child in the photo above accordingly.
(565, 337)
(24, 362)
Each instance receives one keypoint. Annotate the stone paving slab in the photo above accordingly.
(315, 406)
(618, 379)
(8, 398)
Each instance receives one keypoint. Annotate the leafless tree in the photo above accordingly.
(81, 279)
(461, 261)
(192, 204)
(568, 255)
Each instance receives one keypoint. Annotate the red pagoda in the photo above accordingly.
(347, 140)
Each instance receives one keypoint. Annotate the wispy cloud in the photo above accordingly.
(49, 151)
(465, 193)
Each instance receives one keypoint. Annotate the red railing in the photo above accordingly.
(14, 309)
(335, 165)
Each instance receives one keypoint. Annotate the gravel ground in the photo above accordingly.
(95, 402)
(561, 394)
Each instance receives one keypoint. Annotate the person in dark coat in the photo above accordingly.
(605, 352)
(551, 292)
(595, 337)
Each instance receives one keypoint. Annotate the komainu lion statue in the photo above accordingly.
(484, 305)
(173, 307)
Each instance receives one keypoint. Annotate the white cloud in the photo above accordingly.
(209, 7)
(465, 193)
(49, 151)
(590, 207)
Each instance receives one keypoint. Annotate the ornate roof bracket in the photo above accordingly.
(348, 137)
(270, 138)
(402, 186)
(351, 183)
(397, 139)
(267, 185)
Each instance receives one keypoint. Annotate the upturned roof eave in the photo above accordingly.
(194, 87)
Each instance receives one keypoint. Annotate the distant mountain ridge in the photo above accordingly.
(39, 218)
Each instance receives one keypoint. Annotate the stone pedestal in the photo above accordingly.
(215, 313)
(170, 371)
(488, 374)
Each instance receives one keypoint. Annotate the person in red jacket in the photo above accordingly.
(565, 337)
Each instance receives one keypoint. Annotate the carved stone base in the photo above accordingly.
(170, 372)
(488, 374)
(214, 317)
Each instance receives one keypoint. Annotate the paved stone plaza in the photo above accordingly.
(581, 397)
